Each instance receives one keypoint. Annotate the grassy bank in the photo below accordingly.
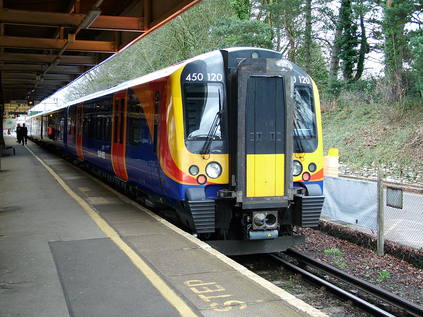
(371, 133)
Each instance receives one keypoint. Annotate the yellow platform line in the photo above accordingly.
(165, 290)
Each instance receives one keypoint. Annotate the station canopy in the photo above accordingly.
(45, 44)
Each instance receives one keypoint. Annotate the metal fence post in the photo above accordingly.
(380, 215)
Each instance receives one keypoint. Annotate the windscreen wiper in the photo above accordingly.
(212, 131)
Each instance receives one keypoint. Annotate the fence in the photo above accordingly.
(355, 201)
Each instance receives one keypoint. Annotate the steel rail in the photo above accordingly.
(381, 293)
(335, 289)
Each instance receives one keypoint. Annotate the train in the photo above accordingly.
(229, 142)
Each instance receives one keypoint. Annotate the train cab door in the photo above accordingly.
(264, 134)
(79, 129)
(264, 126)
(118, 154)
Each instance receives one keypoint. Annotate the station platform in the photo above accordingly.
(72, 246)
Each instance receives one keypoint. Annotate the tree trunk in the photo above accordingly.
(396, 14)
(307, 36)
(364, 47)
(348, 40)
(278, 40)
(291, 40)
(291, 51)
(334, 56)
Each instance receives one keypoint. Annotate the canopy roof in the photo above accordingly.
(45, 44)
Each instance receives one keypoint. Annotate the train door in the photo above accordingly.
(119, 115)
(262, 147)
(264, 114)
(79, 129)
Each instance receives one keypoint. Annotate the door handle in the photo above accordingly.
(258, 136)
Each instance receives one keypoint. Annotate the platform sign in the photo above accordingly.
(394, 197)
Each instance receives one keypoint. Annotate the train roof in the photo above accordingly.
(162, 73)
(165, 72)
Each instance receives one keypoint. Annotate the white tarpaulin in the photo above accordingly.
(351, 201)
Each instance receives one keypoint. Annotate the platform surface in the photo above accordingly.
(70, 246)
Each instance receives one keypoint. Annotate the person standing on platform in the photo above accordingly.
(24, 134)
(18, 133)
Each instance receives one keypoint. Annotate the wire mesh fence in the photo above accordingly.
(355, 202)
(403, 212)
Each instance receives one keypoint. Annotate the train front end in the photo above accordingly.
(236, 138)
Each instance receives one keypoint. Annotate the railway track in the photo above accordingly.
(362, 290)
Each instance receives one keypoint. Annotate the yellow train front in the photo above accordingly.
(249, 131)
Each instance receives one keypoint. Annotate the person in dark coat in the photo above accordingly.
(19, 133)
(24, 130)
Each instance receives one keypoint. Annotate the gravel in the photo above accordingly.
(407, 176)
(388, 272)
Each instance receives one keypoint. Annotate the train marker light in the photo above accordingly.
(194, 170)
(306, 176)
(201, 179)
(312, 167)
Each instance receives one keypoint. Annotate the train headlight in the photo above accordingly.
(213, 170)
(297, 168)
(259, 219)
(271, 220)
(312, 167)
(265, 220)
(193, 170)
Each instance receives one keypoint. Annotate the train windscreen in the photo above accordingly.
(203, 104)
(305, 132)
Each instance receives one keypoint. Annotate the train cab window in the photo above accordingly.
(305, 132)
(203, 104)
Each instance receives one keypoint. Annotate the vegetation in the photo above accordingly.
(336, 257)
(371, 132)
(374, 117)
(383, 275)
(333, 251)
